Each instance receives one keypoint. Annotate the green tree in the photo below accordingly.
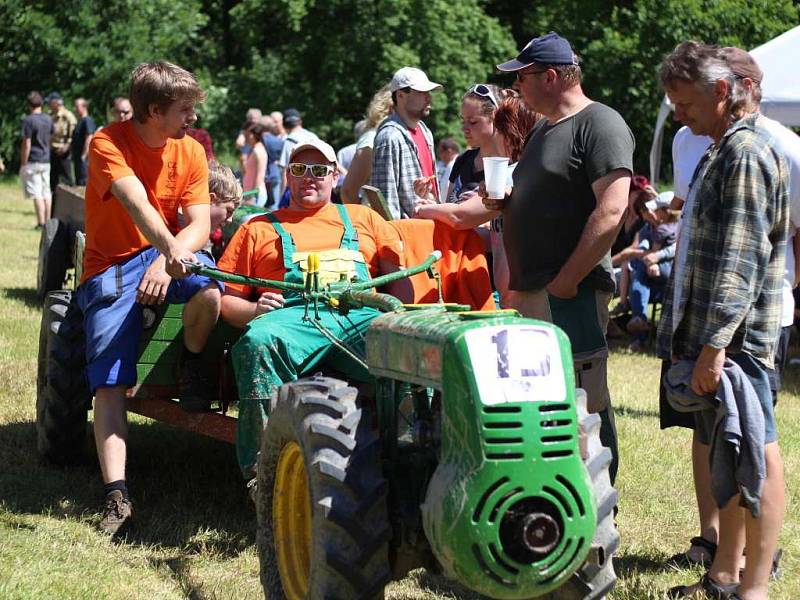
(621, 44)
(328, 58)
(86, 48)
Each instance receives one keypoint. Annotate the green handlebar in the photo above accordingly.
(358, 293)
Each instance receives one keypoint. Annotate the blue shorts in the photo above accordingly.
(758, 375)
(112, 319)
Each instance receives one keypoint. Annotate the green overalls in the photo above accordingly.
(279, 346)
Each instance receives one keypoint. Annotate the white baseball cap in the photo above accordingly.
(316, 144)
(410, 77)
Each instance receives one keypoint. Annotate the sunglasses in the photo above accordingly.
(522, 74)
(317, 171)
(484, 91)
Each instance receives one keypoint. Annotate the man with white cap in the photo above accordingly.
(403, 150)
(350, 239)
(569, 196)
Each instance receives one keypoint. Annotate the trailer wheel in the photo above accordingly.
(62, 394)
(323, 525)
(51, 269)
(596, 577)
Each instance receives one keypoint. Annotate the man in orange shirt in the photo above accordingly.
(277, 345)
(140, 172)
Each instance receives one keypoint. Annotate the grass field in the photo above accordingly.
(195, 533)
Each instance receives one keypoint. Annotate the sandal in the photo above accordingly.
(709, 587)
(684, 560)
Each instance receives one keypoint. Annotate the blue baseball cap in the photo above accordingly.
(550, 49)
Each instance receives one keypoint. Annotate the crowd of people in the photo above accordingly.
(573, 225)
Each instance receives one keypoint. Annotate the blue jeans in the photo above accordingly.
(643, 286)
(113, 319)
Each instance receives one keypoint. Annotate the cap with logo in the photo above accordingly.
(550, 49)
(315, 144)
(416, 79)
(53, 96)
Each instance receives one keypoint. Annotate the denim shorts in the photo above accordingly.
(112, 319)
(758, 375)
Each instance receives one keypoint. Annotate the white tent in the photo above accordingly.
(780, 89)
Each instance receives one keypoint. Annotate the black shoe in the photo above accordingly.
(117, 514)
(195, 388)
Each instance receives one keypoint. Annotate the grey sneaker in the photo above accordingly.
(117, 514)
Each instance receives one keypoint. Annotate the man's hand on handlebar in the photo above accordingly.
(176, 262)
(269, 301)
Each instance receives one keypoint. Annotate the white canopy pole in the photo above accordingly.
(658, 138)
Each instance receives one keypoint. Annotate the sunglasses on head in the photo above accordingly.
(318, 171)
(484, 91)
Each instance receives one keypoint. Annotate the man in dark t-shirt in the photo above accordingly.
(34, 169)
(569, 196)
(81, 138)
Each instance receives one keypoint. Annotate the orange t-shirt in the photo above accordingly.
(173, 175)
(256, 249)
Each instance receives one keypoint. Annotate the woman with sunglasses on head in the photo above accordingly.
(477, 122)
(513, 120)
(255, 167)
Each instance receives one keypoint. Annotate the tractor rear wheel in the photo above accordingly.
(51, 269)
(323, 525)
(596, 577)
(62, 394)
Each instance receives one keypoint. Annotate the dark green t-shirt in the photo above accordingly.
(553, 198)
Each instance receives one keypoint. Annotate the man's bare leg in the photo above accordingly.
(199, 317)
(111, 431)
(706, 506)
(727, 561)
(40, 207)
(763, 532)
(48, 208)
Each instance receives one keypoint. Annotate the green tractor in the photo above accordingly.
(470, 452)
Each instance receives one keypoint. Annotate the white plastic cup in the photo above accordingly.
(495, 173)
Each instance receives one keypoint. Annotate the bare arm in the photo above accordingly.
(25, 151)
(261, 164)
(358, 175)
(238, 310)
(611, 192)
(402, 288)
(464, 215)
(85, 150)
(131, 193)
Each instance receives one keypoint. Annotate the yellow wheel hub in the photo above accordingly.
(291, 522)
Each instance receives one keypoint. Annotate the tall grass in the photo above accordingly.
(195, 532)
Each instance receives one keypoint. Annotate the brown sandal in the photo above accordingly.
(712, 589)
(684, 560)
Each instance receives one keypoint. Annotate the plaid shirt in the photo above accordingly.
(731, 282)
(395, 164)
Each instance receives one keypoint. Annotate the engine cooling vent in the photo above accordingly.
(502, 432)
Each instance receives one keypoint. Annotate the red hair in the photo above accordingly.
(514, 120)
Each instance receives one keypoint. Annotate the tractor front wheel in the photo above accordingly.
(323, 525)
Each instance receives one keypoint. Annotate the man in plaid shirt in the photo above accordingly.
(724, 299)
(403, 150)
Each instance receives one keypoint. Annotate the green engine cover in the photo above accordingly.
(509, 511)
